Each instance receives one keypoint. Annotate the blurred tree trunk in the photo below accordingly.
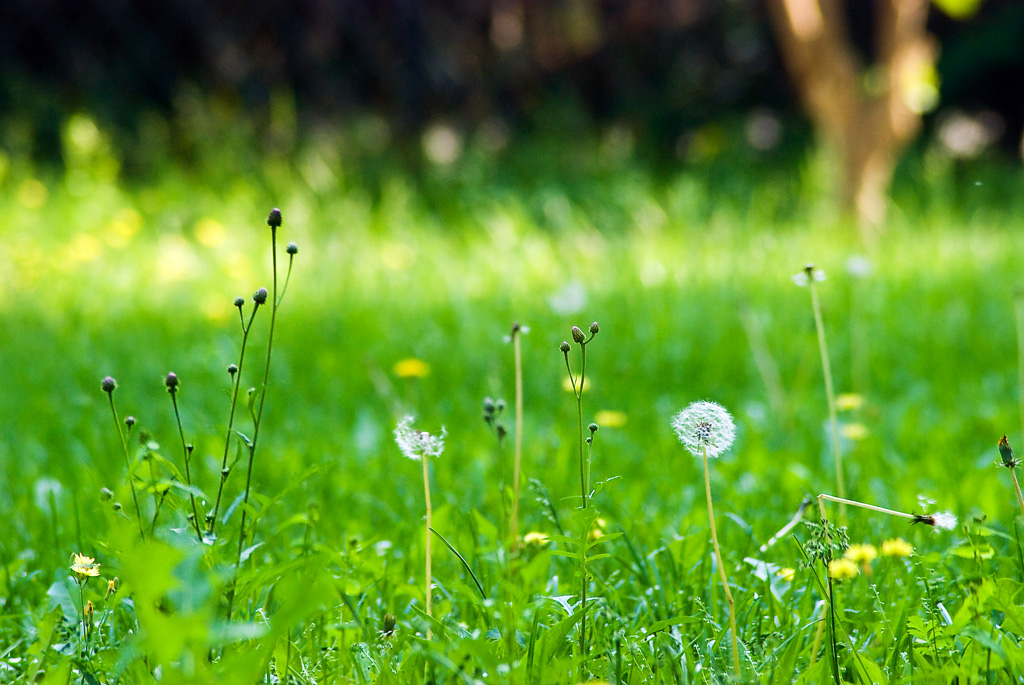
(865, 112)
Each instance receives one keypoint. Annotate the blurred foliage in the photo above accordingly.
(396, 70)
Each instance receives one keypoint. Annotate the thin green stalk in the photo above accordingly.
(580, 339)
(1016, 486)
(127, 463)
(258, 418)
(828, 596)
(1018, 308)
(721, 569)
(516, 468)
(829, 390)
(426, 494)
(224, 471)
(187, 454)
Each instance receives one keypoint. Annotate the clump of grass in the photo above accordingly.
(706, 429)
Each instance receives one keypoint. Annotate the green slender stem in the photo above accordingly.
(1018, 302)
(231, 417)
(187, 454)
(830, 394)
(579, 416)
(1016, 486)
(721, 569)
(519, 438)
(257, 420)
(426, 495)
(127, 464)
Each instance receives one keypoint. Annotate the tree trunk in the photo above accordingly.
(866, 113)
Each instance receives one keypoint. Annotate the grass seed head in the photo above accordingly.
(274, 219)
(1006, 453)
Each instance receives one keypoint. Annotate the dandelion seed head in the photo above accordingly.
(416, 444)
(944, 520)
(808, 274)
(705, 426)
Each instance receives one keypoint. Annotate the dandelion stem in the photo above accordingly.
(128, 465)
(1016, 485)
(426, 494)
(830, 394)
(519, 437)
(721, 568)
(862, 505)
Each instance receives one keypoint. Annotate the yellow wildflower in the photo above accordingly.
(786, 574)
(536, 538)
(610, 418)
(84, 567)
(854, 431)
(861, 554)
(411, 368)
(842, 568)
(897, 548)
(849, 401)
(567, 384)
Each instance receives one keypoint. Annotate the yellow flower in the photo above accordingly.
(536, 538)
(849, 401)
(842, 568)
(897, 548)
(854, 431)
(567, 384)
(786, 574)
(411, 368)
(610, 418)
(861, 554)
(84, 567)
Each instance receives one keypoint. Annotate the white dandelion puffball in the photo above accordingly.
(809, 272)
(944, 520)
(417, 444)
(705, 426)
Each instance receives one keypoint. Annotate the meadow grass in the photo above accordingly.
(694, 302)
